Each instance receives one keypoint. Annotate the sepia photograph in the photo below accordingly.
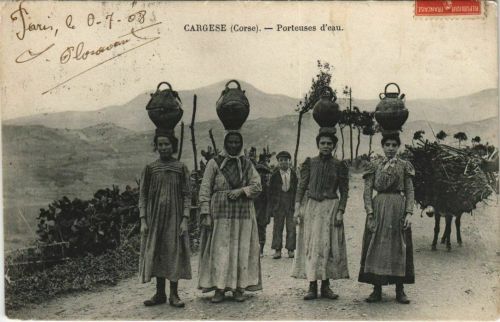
(250, 160)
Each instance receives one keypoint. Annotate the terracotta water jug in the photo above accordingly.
(326, 112)
(165, 107)
(391, 112)
(233, 106)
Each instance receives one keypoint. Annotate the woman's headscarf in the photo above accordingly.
(228, 157)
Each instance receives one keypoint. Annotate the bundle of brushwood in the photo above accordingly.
(447, 178)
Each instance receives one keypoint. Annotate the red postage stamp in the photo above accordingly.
(448, 8)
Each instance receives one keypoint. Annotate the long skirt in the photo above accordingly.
(230, 255)
(387, 253)
(299, 260)
(324, 244)
(164, 252)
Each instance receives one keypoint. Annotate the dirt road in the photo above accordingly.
(461, 284)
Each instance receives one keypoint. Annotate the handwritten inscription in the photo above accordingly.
(22, 14)
(25, 24)
(78, 53)
(28, 55)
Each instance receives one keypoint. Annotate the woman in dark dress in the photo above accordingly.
(164, 205)
(387, 252)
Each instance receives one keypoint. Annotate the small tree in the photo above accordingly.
(342, 124)
(441, 135)
(476, 140)
(460, 136)
(318, 85)
(351, 119)
(357, 123)
(370, 131)
(362, 121)
(418, 135)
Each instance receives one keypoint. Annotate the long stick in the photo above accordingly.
(26, 222)
(298, 140)
(432, 130)
(213, 141)
(359, 140)
(370, 146)
(350, 122)
(342, 135)
(193, 139)
(179, 154)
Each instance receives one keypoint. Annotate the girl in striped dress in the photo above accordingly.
(387, 252)
(164, 206)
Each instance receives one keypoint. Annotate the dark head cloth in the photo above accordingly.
(164, 132)
(283, 154)
(391, 134)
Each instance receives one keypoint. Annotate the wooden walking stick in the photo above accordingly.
(298, 140)
(179, 154)
(193, 139)
(213, 141)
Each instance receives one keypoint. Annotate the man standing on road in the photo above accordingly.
(282, 189)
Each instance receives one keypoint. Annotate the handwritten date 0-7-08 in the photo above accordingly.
(27, 23)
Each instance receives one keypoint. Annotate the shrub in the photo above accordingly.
(75, 274)
(104, 242)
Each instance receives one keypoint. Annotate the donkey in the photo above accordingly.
(447, 230)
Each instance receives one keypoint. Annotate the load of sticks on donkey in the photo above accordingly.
(451, 181)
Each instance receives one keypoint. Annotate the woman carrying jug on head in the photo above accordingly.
(387, 252)
(327, 181)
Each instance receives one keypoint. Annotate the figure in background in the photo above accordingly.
(282, 190)
(387, 252)
(261, 202)
(164, 207)
(326, 180)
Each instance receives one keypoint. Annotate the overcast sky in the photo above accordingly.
(381, 42)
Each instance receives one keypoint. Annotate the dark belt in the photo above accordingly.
(323, 198)
(391, 192)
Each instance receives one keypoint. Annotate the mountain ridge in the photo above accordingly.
(131, 115)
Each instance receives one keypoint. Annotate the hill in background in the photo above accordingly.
(132, 115)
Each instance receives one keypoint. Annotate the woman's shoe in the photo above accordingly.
(218, 296)
(175, 301)
(312, 293)
(376, 295)
(400, 295)
(326, 292)
(155, 300)
(238, 296)
(373, 298)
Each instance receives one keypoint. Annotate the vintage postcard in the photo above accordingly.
(250, 160)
